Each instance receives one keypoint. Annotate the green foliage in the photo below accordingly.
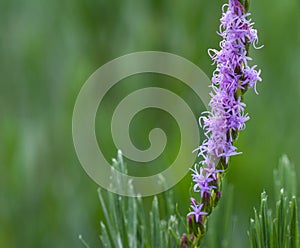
(127, 224)
(280, 230)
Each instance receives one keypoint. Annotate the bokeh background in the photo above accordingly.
(47, 51)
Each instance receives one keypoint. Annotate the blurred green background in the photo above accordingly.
(47, 51)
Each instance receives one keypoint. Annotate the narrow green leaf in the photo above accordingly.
(253, 235)
(83, 242)
(117, 203)
(173, 228)
(181, 218)
(143, 232)
(294, 238)
(109, 223)
(104, 236)
(281, 225)
(122, 166)
(121, 219)
(275, 233)
(264, 221)
(155, 221)
(132, 219)
(119, 241)
(163, 233)
(258, 228)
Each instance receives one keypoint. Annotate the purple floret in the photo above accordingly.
(197, 210)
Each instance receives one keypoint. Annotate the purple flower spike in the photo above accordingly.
(232, 77)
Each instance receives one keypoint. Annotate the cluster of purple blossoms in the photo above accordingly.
(232, 77)
(197, 210)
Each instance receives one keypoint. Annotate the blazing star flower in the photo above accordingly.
(197, 210)
(231, 79)
(202, 179)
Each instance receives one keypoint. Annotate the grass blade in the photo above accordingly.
(294, 238)
(109, 223)
(83, 242)
(104, 237)
(154, 223)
